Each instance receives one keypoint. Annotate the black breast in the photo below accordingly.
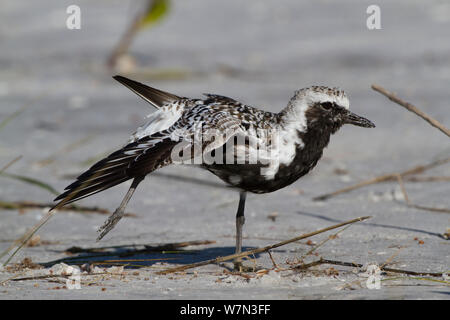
(248, 176)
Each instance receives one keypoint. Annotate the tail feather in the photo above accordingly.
(135, 159)
(154, 96)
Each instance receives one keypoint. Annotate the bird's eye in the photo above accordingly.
(327, 105)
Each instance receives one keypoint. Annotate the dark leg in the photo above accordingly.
(118, 214)
(240, 220)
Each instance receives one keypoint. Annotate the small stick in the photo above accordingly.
(6, 166)
(427, 179)
(49, 276)
(358, 265)
(273, 260)
(412, 205)
(259, 250)
(383, 178)
(439, 210)
(412, 108)
(33, 205)
(388, 260)
(333, 236)
(27, 236)
(12, 205)
(402, 187)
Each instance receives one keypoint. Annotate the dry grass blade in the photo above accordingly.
(385, 177)
(438, 210)
(412, 205)
(27, 236)
(65, 150)
(412, 108)
(333, 236)
(23, 205)
(17, 113)
(358, 265)
(11, 117)
(31, 181)
(9, 164)
(259, 250)
(427, 179)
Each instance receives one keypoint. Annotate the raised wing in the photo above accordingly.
(136, 159)
(154, 96)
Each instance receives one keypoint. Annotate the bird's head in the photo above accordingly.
(322, 107)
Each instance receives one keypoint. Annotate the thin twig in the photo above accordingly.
(64, 151)
(9, 164)
(20, 205)
(427, 179)
(412, 205)
(412, 108)
(402, 187)
(27, 236)
(438, 210)
(49, 276)
(388, 260)
(358, 265)
(259, 250)
(333, 236)
(275, 265)
(385, 177)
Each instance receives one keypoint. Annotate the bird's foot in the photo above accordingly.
(240, 267)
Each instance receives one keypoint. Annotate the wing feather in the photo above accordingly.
(149, 153)
(154, 96)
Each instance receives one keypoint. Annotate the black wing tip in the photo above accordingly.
(122, 79)
(118, 77)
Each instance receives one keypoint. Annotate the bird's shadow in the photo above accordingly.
(139, 256)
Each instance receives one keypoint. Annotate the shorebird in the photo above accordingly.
(251, 150)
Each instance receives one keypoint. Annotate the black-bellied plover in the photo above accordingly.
(250, 149)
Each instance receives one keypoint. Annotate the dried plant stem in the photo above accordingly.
(275, 265)
(333, 236)
(358, 265)
(412, 108)
(402, 187)
(64, 151)
(27, 236)
(128, 37)
(412, 205)
(19, 205)
(9, 164)
(427, 179)
(259, 250)
(439, 210)
(385, 177)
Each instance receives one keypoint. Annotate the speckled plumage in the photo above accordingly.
(251, 149)
(300, 140)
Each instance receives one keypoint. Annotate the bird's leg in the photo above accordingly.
(240, 220)
(119, 212)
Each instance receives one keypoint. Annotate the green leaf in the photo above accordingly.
(32, 181)
(157, 10)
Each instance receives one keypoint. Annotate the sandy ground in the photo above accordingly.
(71, 110)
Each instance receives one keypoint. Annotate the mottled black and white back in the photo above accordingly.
(288, 143)
(250, 149)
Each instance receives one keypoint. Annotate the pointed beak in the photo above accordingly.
(356, 120)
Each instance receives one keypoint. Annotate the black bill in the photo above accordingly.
(356, 120)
